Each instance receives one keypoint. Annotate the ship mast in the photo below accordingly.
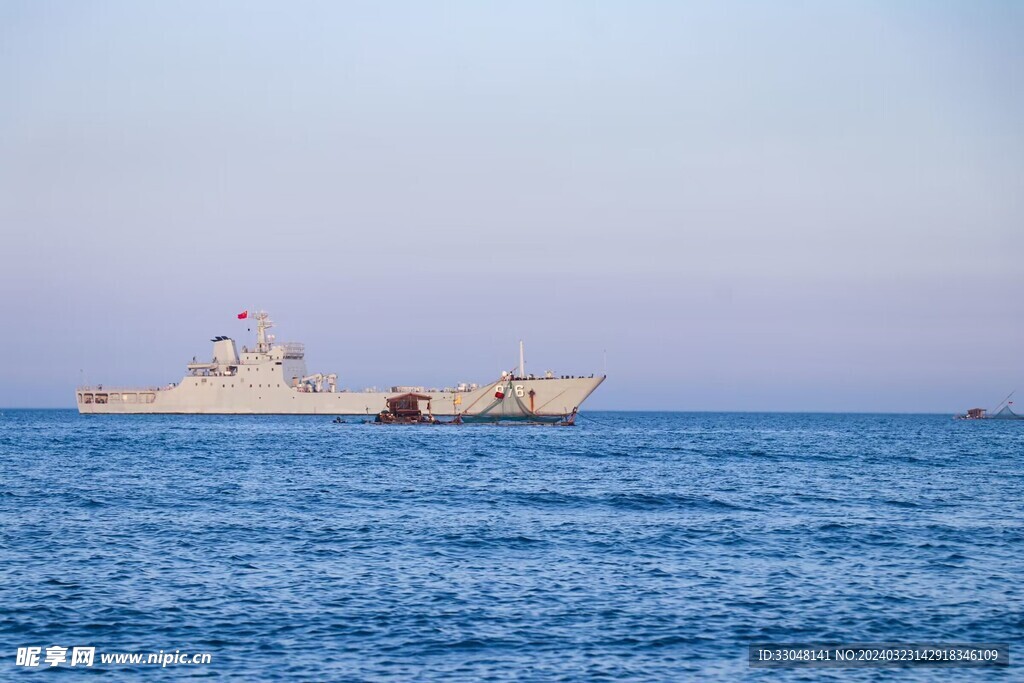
(522, 363)
(263, 323)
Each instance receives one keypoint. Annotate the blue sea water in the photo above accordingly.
(649, 547)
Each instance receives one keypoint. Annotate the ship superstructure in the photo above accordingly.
(272, 378)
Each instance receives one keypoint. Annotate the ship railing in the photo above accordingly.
(103, 388)
(294, 350)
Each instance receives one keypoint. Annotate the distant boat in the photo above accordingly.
(1000, 412)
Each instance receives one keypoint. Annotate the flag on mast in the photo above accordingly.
(243, 315)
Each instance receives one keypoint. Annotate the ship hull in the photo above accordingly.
(542, 399)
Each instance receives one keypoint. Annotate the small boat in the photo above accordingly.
(1000, 412)
(404, 409)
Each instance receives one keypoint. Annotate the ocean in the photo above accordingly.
(634, 546)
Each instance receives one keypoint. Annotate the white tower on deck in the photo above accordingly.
(522, 363)
(263, 323)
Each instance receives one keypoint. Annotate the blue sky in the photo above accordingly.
(750, 206)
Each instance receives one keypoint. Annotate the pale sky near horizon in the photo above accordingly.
(750, 206)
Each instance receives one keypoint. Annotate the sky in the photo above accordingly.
(781, 206)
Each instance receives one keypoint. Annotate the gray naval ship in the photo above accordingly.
(272, 379)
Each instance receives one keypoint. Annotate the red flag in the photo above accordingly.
(499, 392)
(243, 315)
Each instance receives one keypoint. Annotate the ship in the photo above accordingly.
(272, 379)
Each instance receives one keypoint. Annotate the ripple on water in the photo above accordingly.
(633, 547)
